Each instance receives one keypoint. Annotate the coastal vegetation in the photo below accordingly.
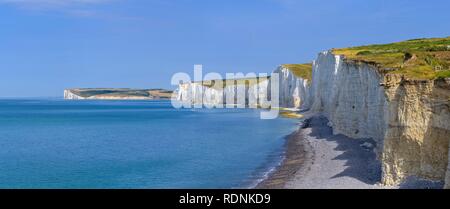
(300, 70)
(416, 58)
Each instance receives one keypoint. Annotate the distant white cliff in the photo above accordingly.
(225, 92)
(116, 94)
(294, 91)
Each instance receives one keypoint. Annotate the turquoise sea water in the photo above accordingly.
(134, 144)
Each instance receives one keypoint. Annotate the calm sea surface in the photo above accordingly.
(134, 144)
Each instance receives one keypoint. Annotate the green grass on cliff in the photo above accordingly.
(417, 58)
(300, 70)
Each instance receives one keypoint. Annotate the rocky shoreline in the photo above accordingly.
(295, 157)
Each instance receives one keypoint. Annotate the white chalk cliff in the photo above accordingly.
(68, 94)
(294, 91)
(350, 95)
(197, 93)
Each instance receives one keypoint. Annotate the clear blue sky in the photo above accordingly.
(49, 45)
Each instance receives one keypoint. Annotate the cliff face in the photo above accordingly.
(447, 175)
(68, 94)
(224, 93)
(294, 91)
(407, 119)
(417, 140)
(349, 94)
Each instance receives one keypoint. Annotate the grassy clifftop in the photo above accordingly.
(417, 58)
(300, 70)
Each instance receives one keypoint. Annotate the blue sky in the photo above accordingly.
(49, 45)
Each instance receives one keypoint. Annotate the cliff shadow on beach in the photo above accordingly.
(360, 160)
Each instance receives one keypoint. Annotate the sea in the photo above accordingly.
(60, 144)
